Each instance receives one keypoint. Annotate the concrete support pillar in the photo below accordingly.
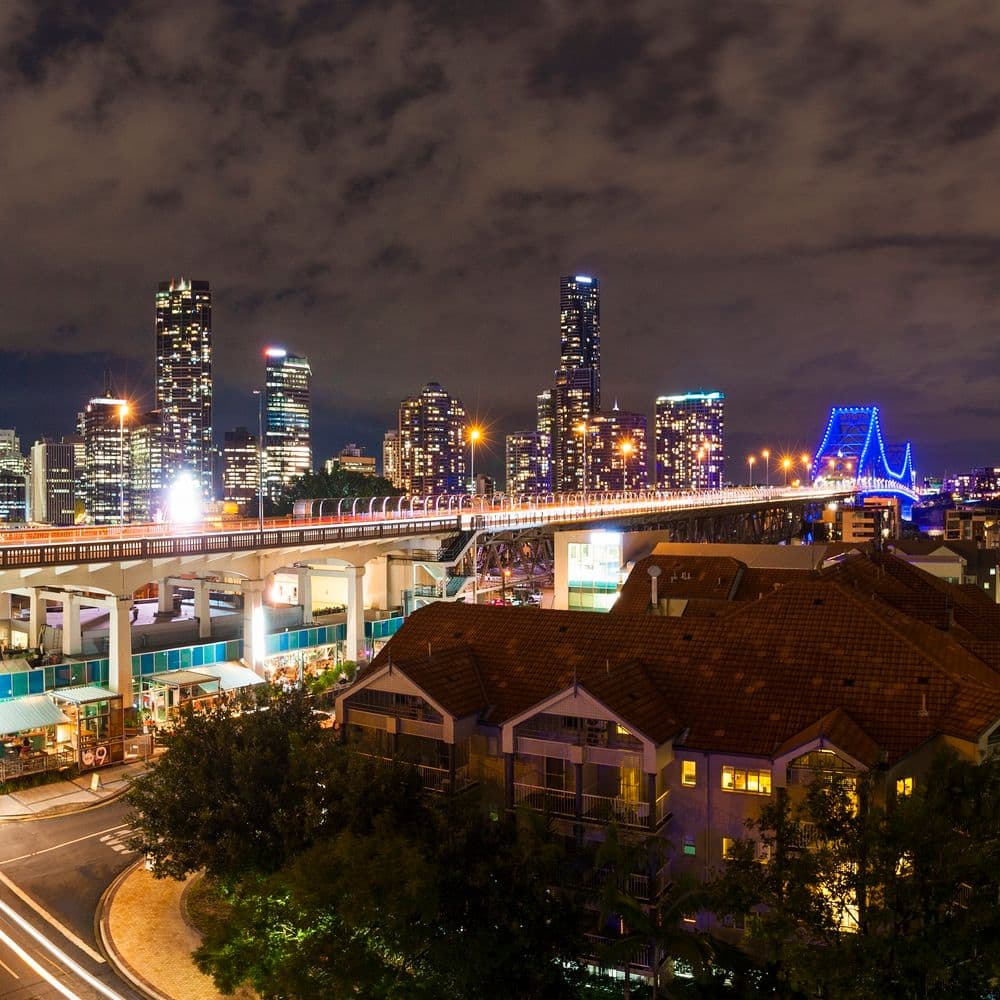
(36, 621)
(253, 625)
(203, 608)
(120, 648)
(165, 597)
(4, 607)
(508, 781)
(355, 612)
(306, 594)
(72, 640)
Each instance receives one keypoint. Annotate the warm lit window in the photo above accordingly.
(690, 918)
(689, 773)
(904, 787)
(738, 779)
(727, 846)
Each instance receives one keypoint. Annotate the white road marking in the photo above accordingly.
(41, 970)
(8, 969)
(60, 954)
(45, 915)
(68, 843)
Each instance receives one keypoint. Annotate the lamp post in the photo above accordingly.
(122, 413)
(626, 449)
(474, 435)
(806, 462)
(767, 466)
(750, 462)
(260, 462)
(786, 464)
(505, 576)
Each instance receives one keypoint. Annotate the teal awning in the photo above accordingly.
(232, 676)
(83, 695)
(181, 678)
(35, 712)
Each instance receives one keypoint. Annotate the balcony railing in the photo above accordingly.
(437, 779)
(642, 958)
(35, 763)
(595, 808)
(662, 812)
(552, 800)
(614, 808)
(638, 886)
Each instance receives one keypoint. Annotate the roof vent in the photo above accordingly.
(848, 682)
(562, 628)
(817, 600)
(457, 635)
(687, 637)
(923, 680)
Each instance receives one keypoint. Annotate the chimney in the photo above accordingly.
(654, 573)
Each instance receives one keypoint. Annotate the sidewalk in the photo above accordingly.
(70, 795)
(143, 931)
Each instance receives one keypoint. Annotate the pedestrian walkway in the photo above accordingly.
(148, 940)
(70, 795)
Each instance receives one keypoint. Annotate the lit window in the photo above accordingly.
(738, 779)
(690, 918)
(689, 773)
(727, 846)
(904, 787)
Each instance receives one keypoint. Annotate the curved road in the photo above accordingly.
(52, 875)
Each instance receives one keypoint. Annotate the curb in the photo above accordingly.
(107, 945)
(56, 811)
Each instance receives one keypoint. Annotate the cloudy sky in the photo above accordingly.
(794, 203)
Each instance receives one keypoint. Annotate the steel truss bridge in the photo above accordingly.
(745, 513)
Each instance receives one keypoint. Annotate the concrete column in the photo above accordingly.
(72, 640)
(306, 594)
(120, 648)
(355, 612)
(203, 608)
(4, 606)
(508, 781)
(165, 598)
(36, 622)
(253, 625)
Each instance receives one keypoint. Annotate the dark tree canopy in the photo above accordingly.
(336, 484)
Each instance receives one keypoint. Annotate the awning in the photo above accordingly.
(181, 678)
(83, 695)
(29, 713)
(232, 676)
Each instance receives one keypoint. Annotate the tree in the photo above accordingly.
(336, 484)
(864, 896)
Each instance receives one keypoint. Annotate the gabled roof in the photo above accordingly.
(840, 730)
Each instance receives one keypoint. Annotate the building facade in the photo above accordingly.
(432, 443)
(616, 457)
(390, 457)
(145, 485)
(184, 379)
(524, 462)
(241, 469)
(53, 482)
(287, 442)
(690, 440)
(351, 458)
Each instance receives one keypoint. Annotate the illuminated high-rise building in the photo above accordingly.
(107, 459)
(576, 394)
(689, 441)
(616, 451)
(53, 482)
(390, 457)
(432, 443)
(184, 379)
(145, 445)
(524, 464)
(240, 469)
(544, 425)
(287, 444)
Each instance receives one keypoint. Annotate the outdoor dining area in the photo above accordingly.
(35, 736)
(165, 695)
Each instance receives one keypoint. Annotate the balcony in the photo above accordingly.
(595, 808)
(437, 779)
(641, 960)
(638, 886)
(550, 800)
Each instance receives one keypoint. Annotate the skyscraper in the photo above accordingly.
(240, 469)
(576, 395)
(544, 425)
(390, 456)
(106, 460)
(145, 446)
(616, 458)
(432, 449)
(689, 441)
(287, 445)
(53, 482)
(523, 464)
(184, 379)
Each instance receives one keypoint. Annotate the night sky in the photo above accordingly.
(794, 203)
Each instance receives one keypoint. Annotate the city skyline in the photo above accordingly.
(737, 247)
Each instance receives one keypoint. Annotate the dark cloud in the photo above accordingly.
(793, 203)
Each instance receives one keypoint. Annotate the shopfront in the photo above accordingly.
(165, 695)
(95, 725)
(34, 737)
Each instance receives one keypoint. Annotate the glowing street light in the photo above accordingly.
(626, 449)
(750, 464)
(184, 500)
(767, 466)
(475, 433)
(786, 464)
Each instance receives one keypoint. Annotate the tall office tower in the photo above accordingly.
(184, 379)
(432, 443)
(107, 462)
(53, 482)
(544, 424)
(146, 456)
(240, 469)
(524, 464)
(576, 395)
(390, 457)
(616, 451)
(287, 446)
(11, 459)
(689, 441)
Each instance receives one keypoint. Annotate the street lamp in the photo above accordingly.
(750, 462)
(786, 464)
(767, 466)
(474, 435)
(260, 462)
(505, 576)
(626, 448)
(122, 413)
(806, 462)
